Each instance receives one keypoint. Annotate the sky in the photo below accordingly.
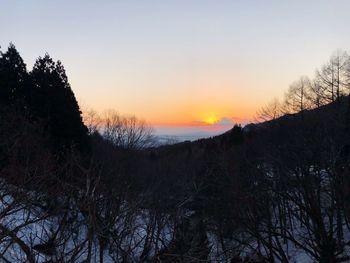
(184, 66)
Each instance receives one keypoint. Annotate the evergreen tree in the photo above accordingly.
(53, 101)
(13, 76)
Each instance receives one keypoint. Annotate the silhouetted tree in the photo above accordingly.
(296, 97)
(271, 111)
(315, 94)
(126, 132)
(13, 76)
(341, 61)
(53, 101)
(334, 76)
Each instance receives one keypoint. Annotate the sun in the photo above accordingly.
(211, 120)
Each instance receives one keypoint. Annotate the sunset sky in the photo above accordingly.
(181, 65)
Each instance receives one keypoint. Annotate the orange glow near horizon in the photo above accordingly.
(198, 114)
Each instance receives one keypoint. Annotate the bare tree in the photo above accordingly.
(270, 111)
(341, 61)
(92, 120)
(334, 76)
(315, 94)
(126, 131)
(296, 96)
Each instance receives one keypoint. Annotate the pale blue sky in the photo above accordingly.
(182, 60)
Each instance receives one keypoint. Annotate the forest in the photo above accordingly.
(86, 187)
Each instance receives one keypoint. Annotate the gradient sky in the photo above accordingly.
(179, 62)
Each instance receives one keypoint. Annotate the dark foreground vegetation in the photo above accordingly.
(276, 191)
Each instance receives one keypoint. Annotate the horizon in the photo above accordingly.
(191, 73)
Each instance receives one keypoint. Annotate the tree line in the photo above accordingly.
(43, 94)
(330, 83)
